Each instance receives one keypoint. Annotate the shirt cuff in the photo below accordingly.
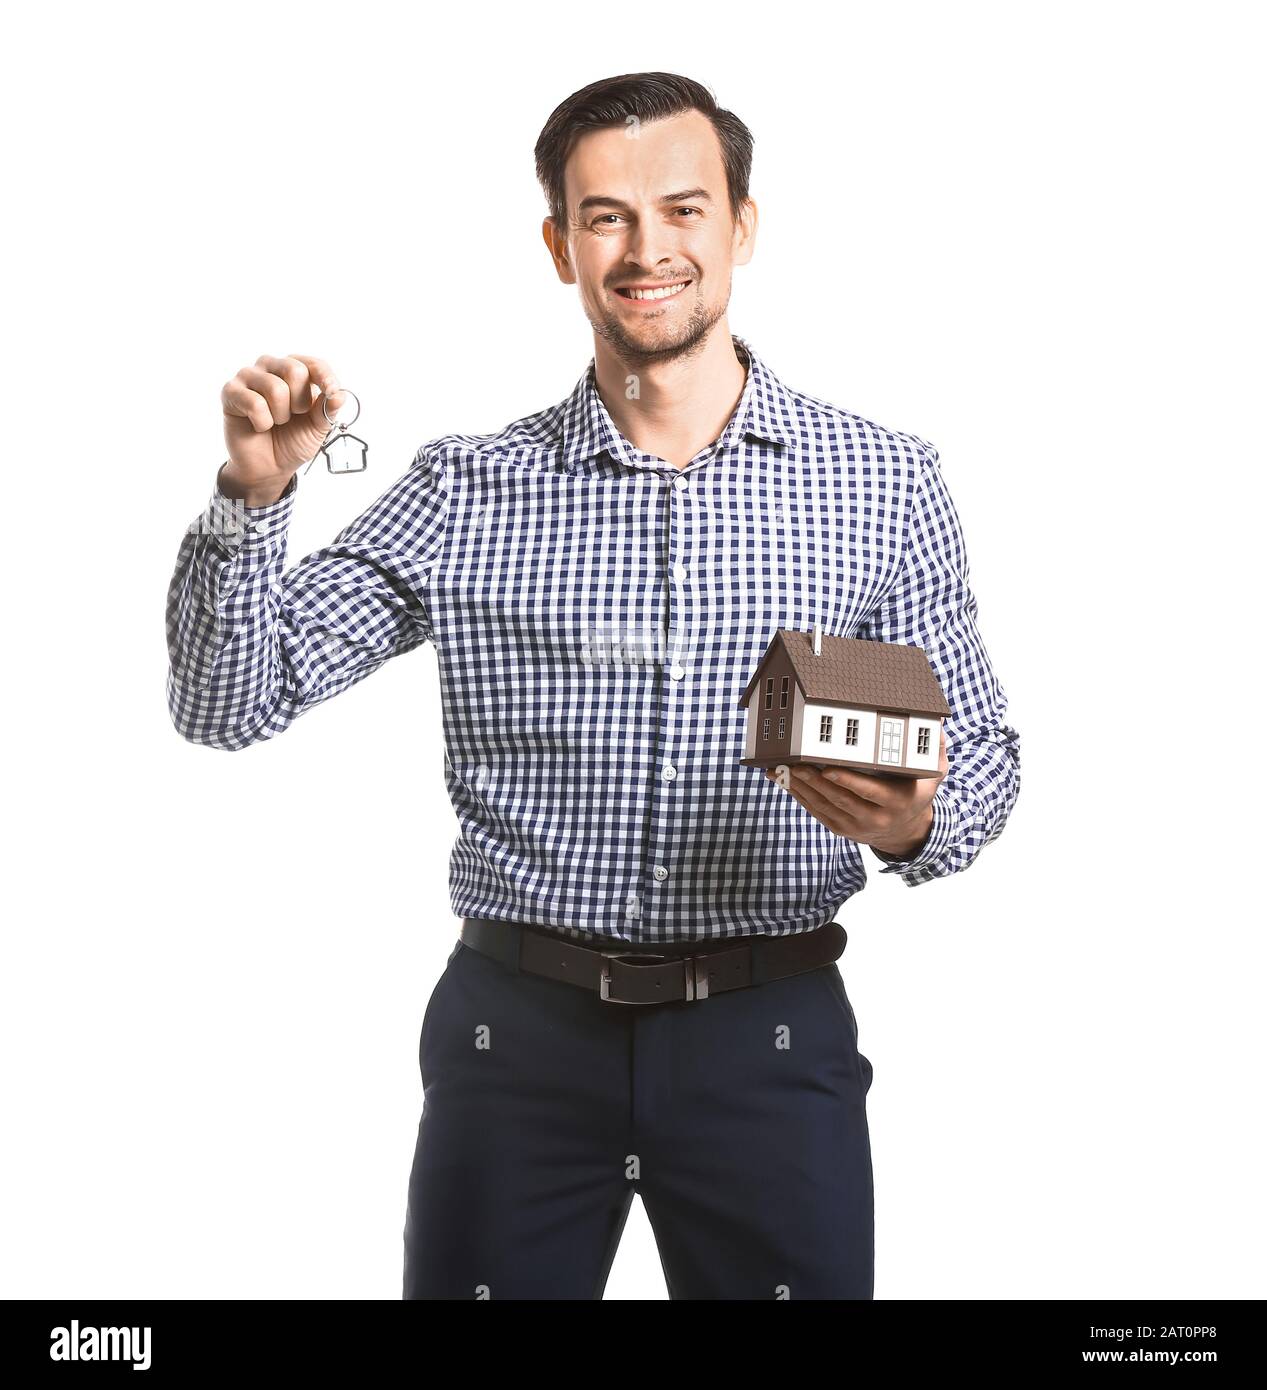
(941, 835)
(231, 523)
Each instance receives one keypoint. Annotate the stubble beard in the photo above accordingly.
(686, 344)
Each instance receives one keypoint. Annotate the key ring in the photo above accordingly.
(355, 417)
(340, 447)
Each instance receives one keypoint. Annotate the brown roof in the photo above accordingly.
(856, 672)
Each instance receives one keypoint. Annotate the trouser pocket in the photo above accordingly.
(436, 990)
(834, 983)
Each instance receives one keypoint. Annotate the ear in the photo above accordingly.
(556, 244)
(744, 241)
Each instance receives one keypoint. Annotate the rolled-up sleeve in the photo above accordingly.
(253, 645)
(931, 605)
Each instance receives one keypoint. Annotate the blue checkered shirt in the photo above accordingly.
(596, 614)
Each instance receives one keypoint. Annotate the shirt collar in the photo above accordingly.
(764, 412)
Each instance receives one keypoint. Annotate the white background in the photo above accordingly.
(1023, 233)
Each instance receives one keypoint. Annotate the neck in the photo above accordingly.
(681, 405)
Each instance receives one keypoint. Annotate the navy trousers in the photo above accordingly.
(739, 1119)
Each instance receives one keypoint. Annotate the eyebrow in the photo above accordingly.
(699, 195)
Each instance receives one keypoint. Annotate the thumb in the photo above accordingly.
(324, 411)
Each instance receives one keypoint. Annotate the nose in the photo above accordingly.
(650, 244)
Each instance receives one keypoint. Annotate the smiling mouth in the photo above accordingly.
(653, 292)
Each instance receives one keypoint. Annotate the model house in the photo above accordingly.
(843, 701)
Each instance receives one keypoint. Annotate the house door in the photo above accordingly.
(891, 740)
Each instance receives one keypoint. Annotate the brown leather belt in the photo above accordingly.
(654, 973)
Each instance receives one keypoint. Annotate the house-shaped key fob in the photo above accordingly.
(345, 453)
(844, 702)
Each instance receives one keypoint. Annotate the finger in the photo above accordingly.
(237, 399)
(818, 807)
(815, 800)
(789, 787)
(295, 374)
(873, 789)
(323, 375)
(833, 790)
(272, 388)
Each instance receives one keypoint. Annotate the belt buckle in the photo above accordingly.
(696, 974)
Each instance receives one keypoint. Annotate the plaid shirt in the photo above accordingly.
(596, 614)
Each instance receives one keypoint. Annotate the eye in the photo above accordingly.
(696, 211)
(603, 217)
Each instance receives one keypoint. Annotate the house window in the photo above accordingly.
(769, 692)
(765, 730)
(824, 729)
(783, 693)
(922, 744)
(782, 729)
(851, 732)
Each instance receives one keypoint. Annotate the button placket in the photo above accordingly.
(679, 491)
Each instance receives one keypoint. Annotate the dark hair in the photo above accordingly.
(650, 96)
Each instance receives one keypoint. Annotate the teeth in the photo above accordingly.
(656, 294)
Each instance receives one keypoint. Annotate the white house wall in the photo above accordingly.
(864, 750)
(813, 747)
(923, 760)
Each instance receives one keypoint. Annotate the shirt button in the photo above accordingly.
(677, 672)
(681, 484)
(660, 872)
(669, 773)
(679, 573)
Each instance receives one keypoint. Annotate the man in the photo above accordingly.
(643, 995)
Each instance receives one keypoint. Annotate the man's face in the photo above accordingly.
(650, 239)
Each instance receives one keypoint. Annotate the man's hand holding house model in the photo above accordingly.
(891, 814)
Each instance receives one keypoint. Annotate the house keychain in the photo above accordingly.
(341, 448)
